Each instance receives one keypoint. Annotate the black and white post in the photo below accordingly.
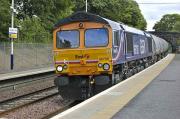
(12, 46)
(86, 5)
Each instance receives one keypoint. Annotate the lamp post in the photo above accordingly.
(86, 5)
(12, 45)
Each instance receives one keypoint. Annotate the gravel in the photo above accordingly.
(26, 89)
(37, 110)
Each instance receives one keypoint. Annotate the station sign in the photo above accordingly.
(13, 32)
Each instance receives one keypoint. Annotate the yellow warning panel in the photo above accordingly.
(12, 35)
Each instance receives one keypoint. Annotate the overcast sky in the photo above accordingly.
(154, 12)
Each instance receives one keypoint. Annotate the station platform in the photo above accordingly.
(131, 100)
(11, 75)
(159, 100)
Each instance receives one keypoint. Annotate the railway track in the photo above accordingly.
(16, 83)
(12, 88)
(29, 103)
(26, 96)
(24, 100)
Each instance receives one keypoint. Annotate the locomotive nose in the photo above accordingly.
(84, 62)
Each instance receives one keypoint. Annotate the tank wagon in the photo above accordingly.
(92, 53)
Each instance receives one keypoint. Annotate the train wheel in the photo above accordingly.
(138, 68)
(146, 65)
(135, 70)
(131, 71)
(121, 76)
(117, 77)
(127, 74)
(142, 68)
(114, 79)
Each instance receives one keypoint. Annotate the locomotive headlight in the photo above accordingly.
(65, 67)
(59, 68)
(100, 65)
(106, 66)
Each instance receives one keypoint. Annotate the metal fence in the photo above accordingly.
(26, 56)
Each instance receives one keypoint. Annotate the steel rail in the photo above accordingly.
(13, 84)
(25, 100)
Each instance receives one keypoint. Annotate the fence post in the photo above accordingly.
(4, 59)
(35, 44)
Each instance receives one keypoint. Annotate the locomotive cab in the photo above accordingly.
(82, 51)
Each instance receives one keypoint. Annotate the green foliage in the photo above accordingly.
(32, 30)
(178, 42)
(49, 11)
(4, 19)
(126, 11)
(176, 27)
(40, 16)
(169, 22)
(36, 18)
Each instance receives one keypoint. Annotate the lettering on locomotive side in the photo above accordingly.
(82, 56)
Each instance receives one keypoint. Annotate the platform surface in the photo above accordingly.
(106, 104)
(11, 75)
(159, 100)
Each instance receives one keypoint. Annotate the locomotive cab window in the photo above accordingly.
(129, 37)
(116, 38)
(67, 39)
(96, 37)
(116, 42)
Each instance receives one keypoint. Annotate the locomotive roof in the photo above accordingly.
(132, 30)
(148, 34)
(87, 17)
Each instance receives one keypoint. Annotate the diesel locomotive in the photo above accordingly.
(92, 53)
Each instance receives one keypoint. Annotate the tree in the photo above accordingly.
(32, 30)
(4, 18)
(49, 11)
(168, 22)
(38, 17)
(35, 16)
(126, 11)
(176, 27)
